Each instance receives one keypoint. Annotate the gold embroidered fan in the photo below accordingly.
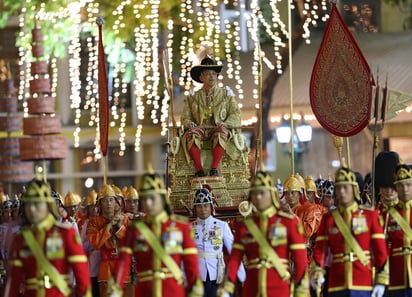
(340, 86)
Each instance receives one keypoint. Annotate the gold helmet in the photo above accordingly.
(106, 191)
(3, 198)
(345, 176)
(117, 191)
(91, 198)
(263, 181)
(285, 184)
(310, 185)
(295, 184)
(72, 199)
(37, 191)
(124, 191)
(403, 174)
(131, 194)
(301, 181)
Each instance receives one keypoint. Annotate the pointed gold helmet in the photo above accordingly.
(117, 191)
(91, 198)
(310, 185)
(131, 193)
(3, 198)
(106, 191)
(72, 199)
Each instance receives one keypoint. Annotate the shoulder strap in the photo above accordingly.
(349, 239)
(160, 252)
(44, 263)
(401, 222)
(267, 249)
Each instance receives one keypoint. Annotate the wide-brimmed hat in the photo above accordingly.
(206, 64)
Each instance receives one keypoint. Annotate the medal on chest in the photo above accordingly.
(359, 224)
(141, 244)
(216, 237)
(54, 246)
(277, 234)
(172, 239)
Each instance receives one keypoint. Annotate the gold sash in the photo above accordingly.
(267, 249)
(160, 252)
(401, 222)
(350, 240)
(44, 263)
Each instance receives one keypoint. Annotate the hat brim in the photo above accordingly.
(197, 70)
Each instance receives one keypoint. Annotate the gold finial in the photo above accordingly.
(150, 168)
(338, 143)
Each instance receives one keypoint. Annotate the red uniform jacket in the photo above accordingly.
(107, 242)
(285, 234)
(62, 246)
(175, 238)
(400, 250)
(346, 271)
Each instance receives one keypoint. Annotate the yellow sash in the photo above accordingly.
(350, 240)
(401, 222)
(160, 252)
(267, 249)
(44, 263)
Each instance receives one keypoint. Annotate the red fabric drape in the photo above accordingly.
(103, 94)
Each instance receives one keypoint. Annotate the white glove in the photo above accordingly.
(316, 282)
(378, 291)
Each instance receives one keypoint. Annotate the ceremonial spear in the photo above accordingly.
(377, 127)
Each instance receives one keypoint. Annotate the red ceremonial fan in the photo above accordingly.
(340, 86)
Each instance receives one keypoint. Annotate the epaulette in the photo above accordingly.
(285, 214)
(179, 218)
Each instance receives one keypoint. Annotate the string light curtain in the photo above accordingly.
(192, 24)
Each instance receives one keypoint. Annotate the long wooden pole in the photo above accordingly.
(292, 140)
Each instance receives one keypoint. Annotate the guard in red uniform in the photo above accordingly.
(272, 242)
(161, 244)
(45, 252)
(352, 235)
(399, 236)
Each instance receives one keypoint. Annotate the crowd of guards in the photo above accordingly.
(302, 237)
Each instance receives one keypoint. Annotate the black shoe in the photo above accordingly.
(200, 173)
(213, 172)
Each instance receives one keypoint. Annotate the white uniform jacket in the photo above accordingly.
(210, 236)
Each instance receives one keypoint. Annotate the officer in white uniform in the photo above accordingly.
(210, 235)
